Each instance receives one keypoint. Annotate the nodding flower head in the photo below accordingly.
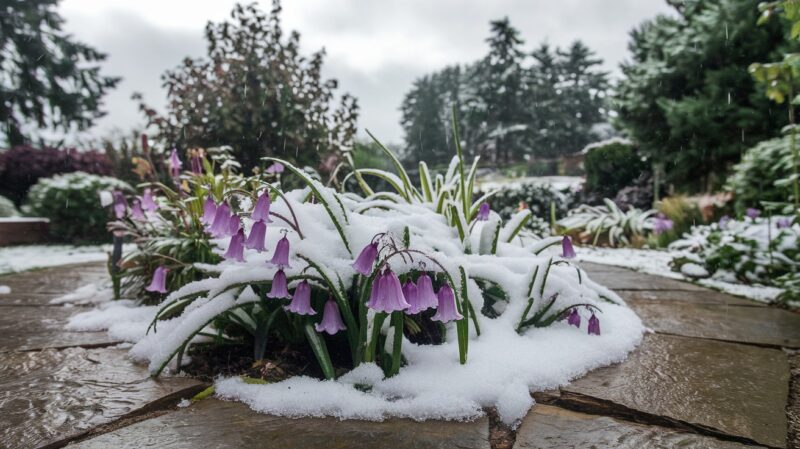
(301, 300)
(136, 210)
(196, 163)
(662, 224)
(331, 319)
(410, 294)
(257, 236)
(159, 282)
(148, 201)
(234, 224)
(222, 218)
(175, 163)
(752, 212)
(387, 294)
(281, 256)
(261, 209)
(567, 251)
(426, 297)
(120, 205)
(279, 289)
(209, 210)
(366, 259)
(574, 318)
(594, 325)
(483, 212)
(275, 168)
(236, 247)
(447, 310)
(783, 222)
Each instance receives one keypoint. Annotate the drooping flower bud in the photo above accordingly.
(574, 318)
(331, 319)
(159, 282)
(567, 251)
(366, 259)
(148, 201)
(236, 247)
(426, 297)
(261, 209)
(483, 212)
(281, 256)
(301, 300)
(209, 210)
(447, 310)
(175, 163)
(279, 289)
(257, 236)
(387, 294)
(594, 325)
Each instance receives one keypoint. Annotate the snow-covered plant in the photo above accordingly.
(71, 202)
(370, 271)
(617, 227)
(543, 200)
(7, 208)
(761, 250)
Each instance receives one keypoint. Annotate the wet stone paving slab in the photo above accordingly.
(212, 424)
(714, 374)
(56, 394)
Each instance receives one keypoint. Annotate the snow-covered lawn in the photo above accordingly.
(657, 262)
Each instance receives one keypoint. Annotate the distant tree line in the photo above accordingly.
(512, 104)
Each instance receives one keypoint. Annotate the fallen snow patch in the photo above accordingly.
(657, 262)
(14, 259)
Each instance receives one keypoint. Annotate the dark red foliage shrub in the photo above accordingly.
(22, 166)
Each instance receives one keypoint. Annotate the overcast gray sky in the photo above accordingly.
(375, 48)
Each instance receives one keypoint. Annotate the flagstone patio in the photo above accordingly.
(715, 373)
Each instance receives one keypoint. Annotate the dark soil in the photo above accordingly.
(209, 362)
(500, 435)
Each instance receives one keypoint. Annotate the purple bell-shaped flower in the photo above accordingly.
(257, 236)
(594, 325)
(567, 251)
(483, 212)
(136, 211)
(275, 168)
(120, 205)
(410, 294)
(783, 222)
(209, 211)
(574, 318)
(331, 319)
(261, 209)
(301, 300)
(447, 310)
(279, 289)
(366, 259)
(281, 256)
(222, 218)
(426, 297)
(236, 247)
(234, 224)
(387, 293)
(753, 213)
(148, 201)
(159, 282)
(175, 163)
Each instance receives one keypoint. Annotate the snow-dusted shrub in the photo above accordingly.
(609, 224)
(611, 165)
(763, 174)
(72, 203)
(751, 250)
(540, 198)
(7, 208)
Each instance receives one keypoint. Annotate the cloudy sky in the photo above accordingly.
(375, 48)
